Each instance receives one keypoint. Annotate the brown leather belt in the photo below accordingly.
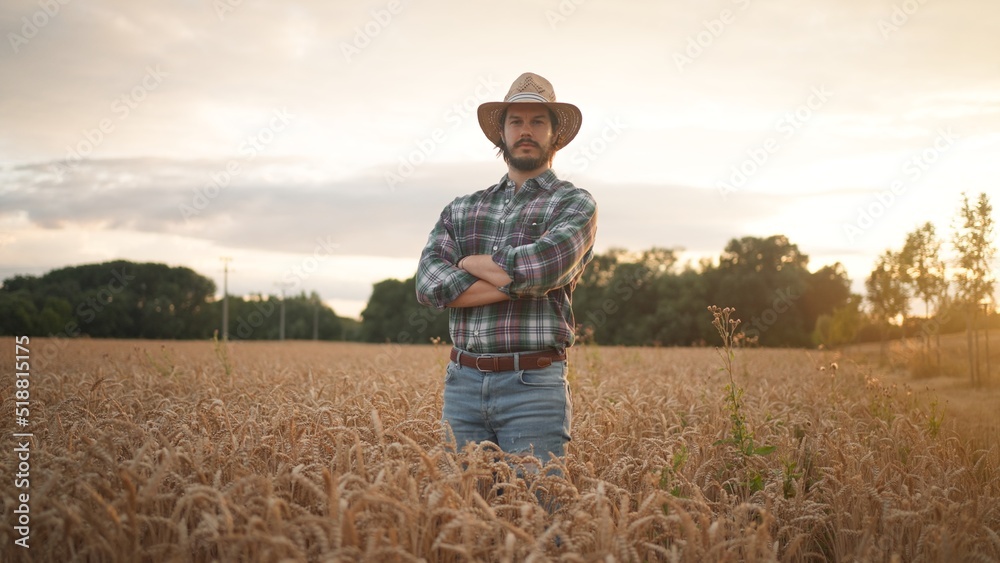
(489, 363)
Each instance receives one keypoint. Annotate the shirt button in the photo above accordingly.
(494, 248)
(501, 221)
(475, 333)
(506, 201)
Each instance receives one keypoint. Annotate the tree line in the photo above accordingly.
(953, 291)
(122, 299)
(647, 298)
(623, 298)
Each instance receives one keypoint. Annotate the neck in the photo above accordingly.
(520, 176)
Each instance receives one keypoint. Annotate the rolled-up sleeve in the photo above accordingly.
(559, 256)
(438, 281)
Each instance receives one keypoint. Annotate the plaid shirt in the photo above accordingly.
(542, 236)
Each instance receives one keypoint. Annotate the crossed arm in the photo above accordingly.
(446, 279)
(484, 291)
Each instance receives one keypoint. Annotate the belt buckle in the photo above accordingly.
(495, 364)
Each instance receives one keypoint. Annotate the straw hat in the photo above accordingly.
(533, 89)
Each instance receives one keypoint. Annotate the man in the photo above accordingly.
(505, 260)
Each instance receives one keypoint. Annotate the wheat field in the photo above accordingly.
(303, 451)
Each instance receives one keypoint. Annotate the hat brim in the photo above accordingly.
(570, 119)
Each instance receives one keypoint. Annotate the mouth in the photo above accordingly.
(526, 144)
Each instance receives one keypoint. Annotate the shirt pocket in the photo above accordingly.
(527, 232)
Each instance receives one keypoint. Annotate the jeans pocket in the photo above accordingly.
(552, 376)
(449, 372)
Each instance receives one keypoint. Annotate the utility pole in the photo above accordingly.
(281, 330)
(225, 297)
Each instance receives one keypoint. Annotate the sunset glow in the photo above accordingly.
(278, 132)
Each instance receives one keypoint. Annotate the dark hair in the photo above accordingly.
(501, 149)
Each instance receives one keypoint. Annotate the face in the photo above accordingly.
(527, 136)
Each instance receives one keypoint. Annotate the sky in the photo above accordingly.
(315, 142)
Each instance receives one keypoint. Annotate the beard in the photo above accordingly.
(527, 163)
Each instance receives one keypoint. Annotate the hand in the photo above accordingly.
(483, 267)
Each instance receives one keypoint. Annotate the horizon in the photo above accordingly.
(316, 143)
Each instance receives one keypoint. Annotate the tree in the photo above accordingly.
(841, 326)
(921, 257)
(394, 315)
(973, 241)
(765, 280)
(827, 289)
(644, 299)
(257, 317)
(887, 292)
(591, 290)
(681, 308)
(626, 312)
(18, 313)
(762, 255)
(119, 299)
(122, 299)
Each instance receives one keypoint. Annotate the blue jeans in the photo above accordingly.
(524, 412)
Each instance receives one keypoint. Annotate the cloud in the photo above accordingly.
(269, 207)
(323, 176)
(266, 206)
